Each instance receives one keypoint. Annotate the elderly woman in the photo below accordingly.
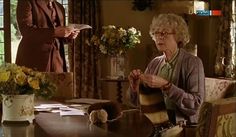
(176, 75)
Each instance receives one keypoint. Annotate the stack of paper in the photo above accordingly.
(59, 108)
(80, 26)
(71, 111)
(49, 107)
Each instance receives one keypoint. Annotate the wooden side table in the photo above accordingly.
(119, 86)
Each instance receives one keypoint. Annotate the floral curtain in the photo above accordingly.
(224, 49)
(83, 57)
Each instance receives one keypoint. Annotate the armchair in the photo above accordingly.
(214, 112)
(217, 118)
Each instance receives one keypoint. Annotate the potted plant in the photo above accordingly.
(18, 86)
(115, 42)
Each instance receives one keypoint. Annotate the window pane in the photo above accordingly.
(15, 33)
(1, 7)
(65, 2)
(1, 22)
(1, 13)
(66, 9)
(65, 5)
(2, 58)
(1, 46)
(60, 1)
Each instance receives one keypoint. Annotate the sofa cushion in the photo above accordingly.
(217, 88)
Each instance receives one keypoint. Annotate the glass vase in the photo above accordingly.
(117, 69)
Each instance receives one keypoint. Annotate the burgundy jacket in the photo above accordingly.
(37, 30)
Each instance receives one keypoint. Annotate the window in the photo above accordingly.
(65, 5)
(2, 57)
(14, 34)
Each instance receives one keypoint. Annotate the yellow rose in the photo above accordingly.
(34, 83)
(20, 78)
(4, 76)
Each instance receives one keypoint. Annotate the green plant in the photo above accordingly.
(19, 80)
(115, 40)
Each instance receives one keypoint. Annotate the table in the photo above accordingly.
(119, 86)
(131, 124)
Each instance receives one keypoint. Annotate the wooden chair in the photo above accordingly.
(64, 83)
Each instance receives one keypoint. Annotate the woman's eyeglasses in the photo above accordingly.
(161, 34)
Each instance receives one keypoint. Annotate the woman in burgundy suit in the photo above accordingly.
(41, 23)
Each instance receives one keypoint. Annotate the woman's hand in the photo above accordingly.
(134, 79)
(74, 34)
(153, 81)
(62, 31)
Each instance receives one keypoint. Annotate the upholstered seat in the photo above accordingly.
(64, 83)
(217, 88)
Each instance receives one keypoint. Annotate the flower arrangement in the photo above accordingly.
(115, 40)
(20, 80)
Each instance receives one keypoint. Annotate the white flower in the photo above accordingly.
(132, 30)
(116, 40)
(110, 27)
(103, 49)
(122, 32)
